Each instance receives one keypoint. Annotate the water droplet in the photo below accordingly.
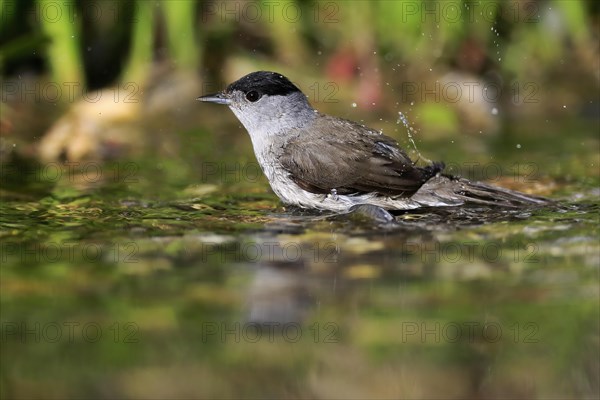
(354, 105)
(494, 111)
(565, 106)
(409, 130)
(518, 146)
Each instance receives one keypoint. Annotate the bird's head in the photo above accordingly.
(265, 103)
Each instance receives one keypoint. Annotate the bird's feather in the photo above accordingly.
(351, 159)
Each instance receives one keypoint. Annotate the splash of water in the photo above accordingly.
(409, 131)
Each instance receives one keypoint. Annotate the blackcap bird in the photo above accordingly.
(317, 161)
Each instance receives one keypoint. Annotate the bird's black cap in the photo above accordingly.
(264, 82)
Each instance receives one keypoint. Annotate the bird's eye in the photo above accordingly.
(252, 96)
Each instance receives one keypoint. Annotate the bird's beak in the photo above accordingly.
(219, 98)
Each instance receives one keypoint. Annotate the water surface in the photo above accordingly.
(185, 277)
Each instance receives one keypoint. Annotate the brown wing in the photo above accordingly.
(364, 162)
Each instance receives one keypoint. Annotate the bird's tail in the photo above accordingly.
(447, 190)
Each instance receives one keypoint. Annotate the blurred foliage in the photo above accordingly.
(63, 53)
(541, 56)
(518, 37)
